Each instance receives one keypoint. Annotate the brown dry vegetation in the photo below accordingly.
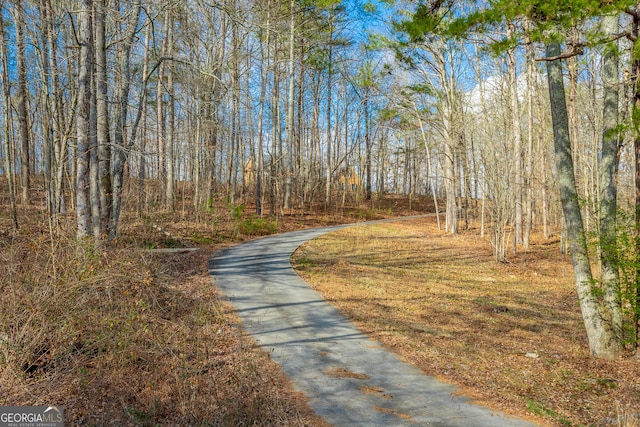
(510, 335)
(120, 334)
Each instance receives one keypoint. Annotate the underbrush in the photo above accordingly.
(117, 334)
(121, 336)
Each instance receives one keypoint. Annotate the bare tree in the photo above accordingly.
(122, 147)
(21, 107)
(516, 135)
(102, 114)
(170, 197)
(8, 149)
(602, 339)
(85, 67)
(608, 185)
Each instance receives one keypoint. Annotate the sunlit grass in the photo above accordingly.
(509, 334)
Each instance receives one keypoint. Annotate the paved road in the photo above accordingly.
(350, 380)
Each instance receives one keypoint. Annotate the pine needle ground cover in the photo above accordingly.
(510, 335)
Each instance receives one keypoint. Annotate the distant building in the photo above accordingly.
(349, 180)
(249, 172)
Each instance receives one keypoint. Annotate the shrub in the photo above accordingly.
(256, 226)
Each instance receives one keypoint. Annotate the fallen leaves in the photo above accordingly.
(511, 335)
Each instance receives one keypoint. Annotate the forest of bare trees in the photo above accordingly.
(143, 105)
(253, 99)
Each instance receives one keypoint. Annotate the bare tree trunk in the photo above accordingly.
(264, 64)
(276, 135)
(465, 180)
(23, 118)
(8, 149)
(122, 148)
(516, 135)
(368, 148)
(170, 197)
(300, 170)
(102, 118)
(213, 107)
(61, 126)
(635, 71)
(543, 194)
(485, 184)
(142, 173)
(451, 213)
(602, 339)
(161, 131)
(544, 179)
(170, 148)
(327, 196)
(431, 176)
(529, 155)
(234, 156)
(572, 69)
(290, 103)
(85, 67)
(47, 115)
(608, 177)
(94, 183)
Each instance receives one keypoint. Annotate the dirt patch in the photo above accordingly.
(345, 373)
(393, 412)
(376, 391)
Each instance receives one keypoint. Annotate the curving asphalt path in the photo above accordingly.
(350, 380)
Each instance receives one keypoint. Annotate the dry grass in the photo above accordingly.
(510, 335)
(118, 335)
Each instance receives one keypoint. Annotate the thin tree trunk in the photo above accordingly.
(300, 171)
(213, 107)
(170, 148)
(572, 71)
(635, 70)
(367, 144)
(327, 197)
(102, 118)
(451, 214)
(529, 155)
(431, 175)
(23, 118)
(161, 131)
(234, 156)
(8, 149)
(61, 130)
(290, 103)
(142, 173)
(264, 64)
(122, 148)
(170, 196)
(85, 67)
(47, 116)
(516, 135)
(94, 183)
